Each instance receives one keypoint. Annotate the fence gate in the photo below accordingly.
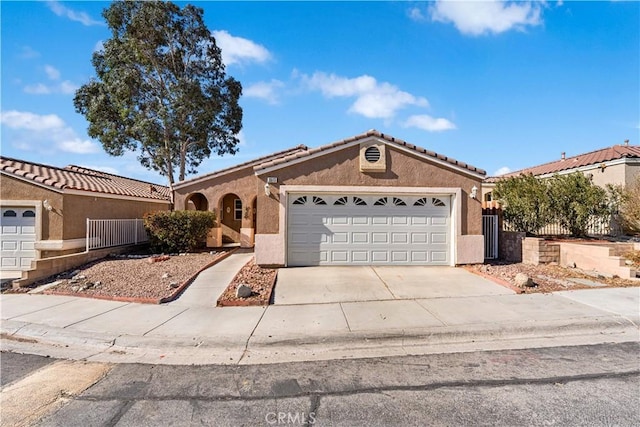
(490, 231)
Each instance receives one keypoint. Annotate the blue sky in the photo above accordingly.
(501, 86)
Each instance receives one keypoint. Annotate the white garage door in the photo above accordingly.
(365, 229)
(18, 238)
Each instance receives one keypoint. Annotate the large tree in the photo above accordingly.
(161, 89)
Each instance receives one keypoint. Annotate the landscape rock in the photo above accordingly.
(174, 285)
(165, 276)
(243, 291)
(75, 288)
(523, 281)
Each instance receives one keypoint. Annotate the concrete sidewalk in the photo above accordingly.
(192, 330)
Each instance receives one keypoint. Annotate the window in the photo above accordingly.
(340, 202)
(9, 213)
(28, 214)
(380, 202)
(399, 202)
(237, 209)
(300, 200)
(318, 201)
(437, 202)
(359, 202)
(421, 202)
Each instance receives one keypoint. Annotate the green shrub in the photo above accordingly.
(178, 231)
(526, 202)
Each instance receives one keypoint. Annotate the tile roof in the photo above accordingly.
(250, 163)
(374, 133)
(603, 155)
(83, 179)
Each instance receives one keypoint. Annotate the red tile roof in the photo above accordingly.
(83, 179)
(250, 163)
(592, 158)
(301, 154)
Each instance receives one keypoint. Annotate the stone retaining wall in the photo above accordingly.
(539, 251)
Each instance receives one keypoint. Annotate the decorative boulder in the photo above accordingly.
(523, 281)
(243, 291)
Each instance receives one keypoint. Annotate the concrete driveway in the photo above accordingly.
(313, 285)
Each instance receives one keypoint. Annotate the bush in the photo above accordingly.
(178, 231)
(576, 201)
(526, 203)
(630, 207)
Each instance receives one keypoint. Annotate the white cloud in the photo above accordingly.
(267, 91)
(238, 50)
(66, 88)
(34, 131)
(82, 17)
(416, 14)
(27, 52)
(52, 72)
(428, 123)
(37, 89)
(487, 16)
(373, 99)
(502, 171)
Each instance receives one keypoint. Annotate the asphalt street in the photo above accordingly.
(568, 386)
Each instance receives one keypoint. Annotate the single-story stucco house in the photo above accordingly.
(44, 208)
(368, 199)
(615, 165)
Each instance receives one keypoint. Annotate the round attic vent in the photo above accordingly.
(372, 154)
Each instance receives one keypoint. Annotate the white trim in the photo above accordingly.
(454, 192)
(370, 139)
(60, 245)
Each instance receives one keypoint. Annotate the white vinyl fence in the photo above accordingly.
(490, 231)
(106, 233)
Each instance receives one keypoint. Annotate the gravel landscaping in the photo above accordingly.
(134, 276)
(260, 280)
(550, 278)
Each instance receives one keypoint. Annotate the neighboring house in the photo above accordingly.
(369, 199)
(44, 208)
(616, 165)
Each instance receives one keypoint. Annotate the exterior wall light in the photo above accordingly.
(474, 192)
(267, 189)
(47, 205)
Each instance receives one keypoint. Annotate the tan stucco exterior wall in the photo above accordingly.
(342, 168)
(77, 208)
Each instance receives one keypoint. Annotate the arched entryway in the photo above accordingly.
(231, 214)
(196, 202)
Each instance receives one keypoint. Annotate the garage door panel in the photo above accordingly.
(27, 246)
(360, 256)
(359, 237)
(8, 245)
(9, 229)
(399, 238)
(382, 238)
(359, 220)
(344, 233)
(379, 256)
(9, 261)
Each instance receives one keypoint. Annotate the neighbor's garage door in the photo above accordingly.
(340, 230)
(18, 238)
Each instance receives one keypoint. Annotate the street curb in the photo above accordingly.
(609, 328)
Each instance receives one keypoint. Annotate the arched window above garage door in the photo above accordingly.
(9, 214)
(28, 214)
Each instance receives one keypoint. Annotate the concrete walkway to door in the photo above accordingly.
(317, 285)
